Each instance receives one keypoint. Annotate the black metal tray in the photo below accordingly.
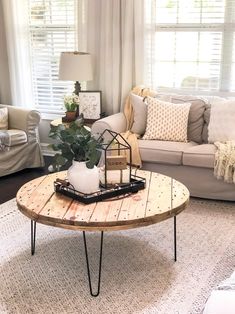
(137, 183)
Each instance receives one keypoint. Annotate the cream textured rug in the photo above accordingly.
(139, 274)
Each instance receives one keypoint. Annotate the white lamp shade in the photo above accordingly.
(75, 66)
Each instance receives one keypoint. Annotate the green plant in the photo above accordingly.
(74, 142)
(71, 102)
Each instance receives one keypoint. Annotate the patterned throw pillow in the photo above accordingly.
(166, 121)
(3, 118)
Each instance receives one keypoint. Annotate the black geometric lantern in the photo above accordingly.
(116, 162)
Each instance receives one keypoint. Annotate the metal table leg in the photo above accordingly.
(33, 236)
(175, 249)
(88, 266)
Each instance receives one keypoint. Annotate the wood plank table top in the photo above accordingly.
(162, 198)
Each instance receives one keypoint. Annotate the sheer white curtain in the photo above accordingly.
(115, 38)
(17, 37)
(5, 95)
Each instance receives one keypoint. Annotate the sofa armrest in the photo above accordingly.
(115, 122)
(23, 119)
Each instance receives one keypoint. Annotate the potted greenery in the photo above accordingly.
(75, 145)
(71, 103)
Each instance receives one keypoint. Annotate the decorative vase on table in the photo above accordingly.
(76, 145)
(83, 179)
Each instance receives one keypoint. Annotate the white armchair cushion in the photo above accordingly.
(3, 118)
(16, 137)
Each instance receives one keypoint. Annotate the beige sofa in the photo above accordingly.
(191, 163)
(24, 148)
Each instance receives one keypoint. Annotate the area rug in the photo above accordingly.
(139, 274)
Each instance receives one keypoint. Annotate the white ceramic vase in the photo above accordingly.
(83, 179)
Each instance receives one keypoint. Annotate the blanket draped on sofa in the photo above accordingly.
(224, 167)
(4, 141)
(130, 137)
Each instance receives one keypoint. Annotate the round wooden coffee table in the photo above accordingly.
(162, 198)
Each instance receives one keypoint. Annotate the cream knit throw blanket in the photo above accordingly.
(130, 137)
(224, 167)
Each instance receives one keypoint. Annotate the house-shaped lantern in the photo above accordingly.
(115, 162)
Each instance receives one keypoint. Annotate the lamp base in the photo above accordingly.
(77, 88)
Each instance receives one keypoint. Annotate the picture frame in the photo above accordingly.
(90, 104)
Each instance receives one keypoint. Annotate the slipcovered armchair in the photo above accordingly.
(23, 148)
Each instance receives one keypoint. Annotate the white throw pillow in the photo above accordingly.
(140, 114)
(222, 122)
(166, 121)
(3, 118)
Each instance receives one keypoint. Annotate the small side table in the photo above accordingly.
(59, 121)
(88, 122)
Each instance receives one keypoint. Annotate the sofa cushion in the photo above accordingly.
(140, 114)
(221, 127)
(165, 152)
(3, 118)
(212, 100)
(195, 121)
(166, 121)
(207, 115)
(200, 156)
(196, 117)
(16, 137)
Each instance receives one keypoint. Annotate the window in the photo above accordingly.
(52, 27)
(193, 44)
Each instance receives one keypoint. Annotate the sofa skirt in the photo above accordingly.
(200, 181)
(19, 157)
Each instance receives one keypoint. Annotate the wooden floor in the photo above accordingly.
(9, 185)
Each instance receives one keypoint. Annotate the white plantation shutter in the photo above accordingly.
(52, 26)
(192, 45)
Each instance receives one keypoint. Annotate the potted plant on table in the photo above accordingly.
(71, 103)
(75, 145)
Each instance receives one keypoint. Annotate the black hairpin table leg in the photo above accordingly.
(33, 236)
(88, 266)
(175, 249)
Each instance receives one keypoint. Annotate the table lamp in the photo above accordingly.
(75, 66)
